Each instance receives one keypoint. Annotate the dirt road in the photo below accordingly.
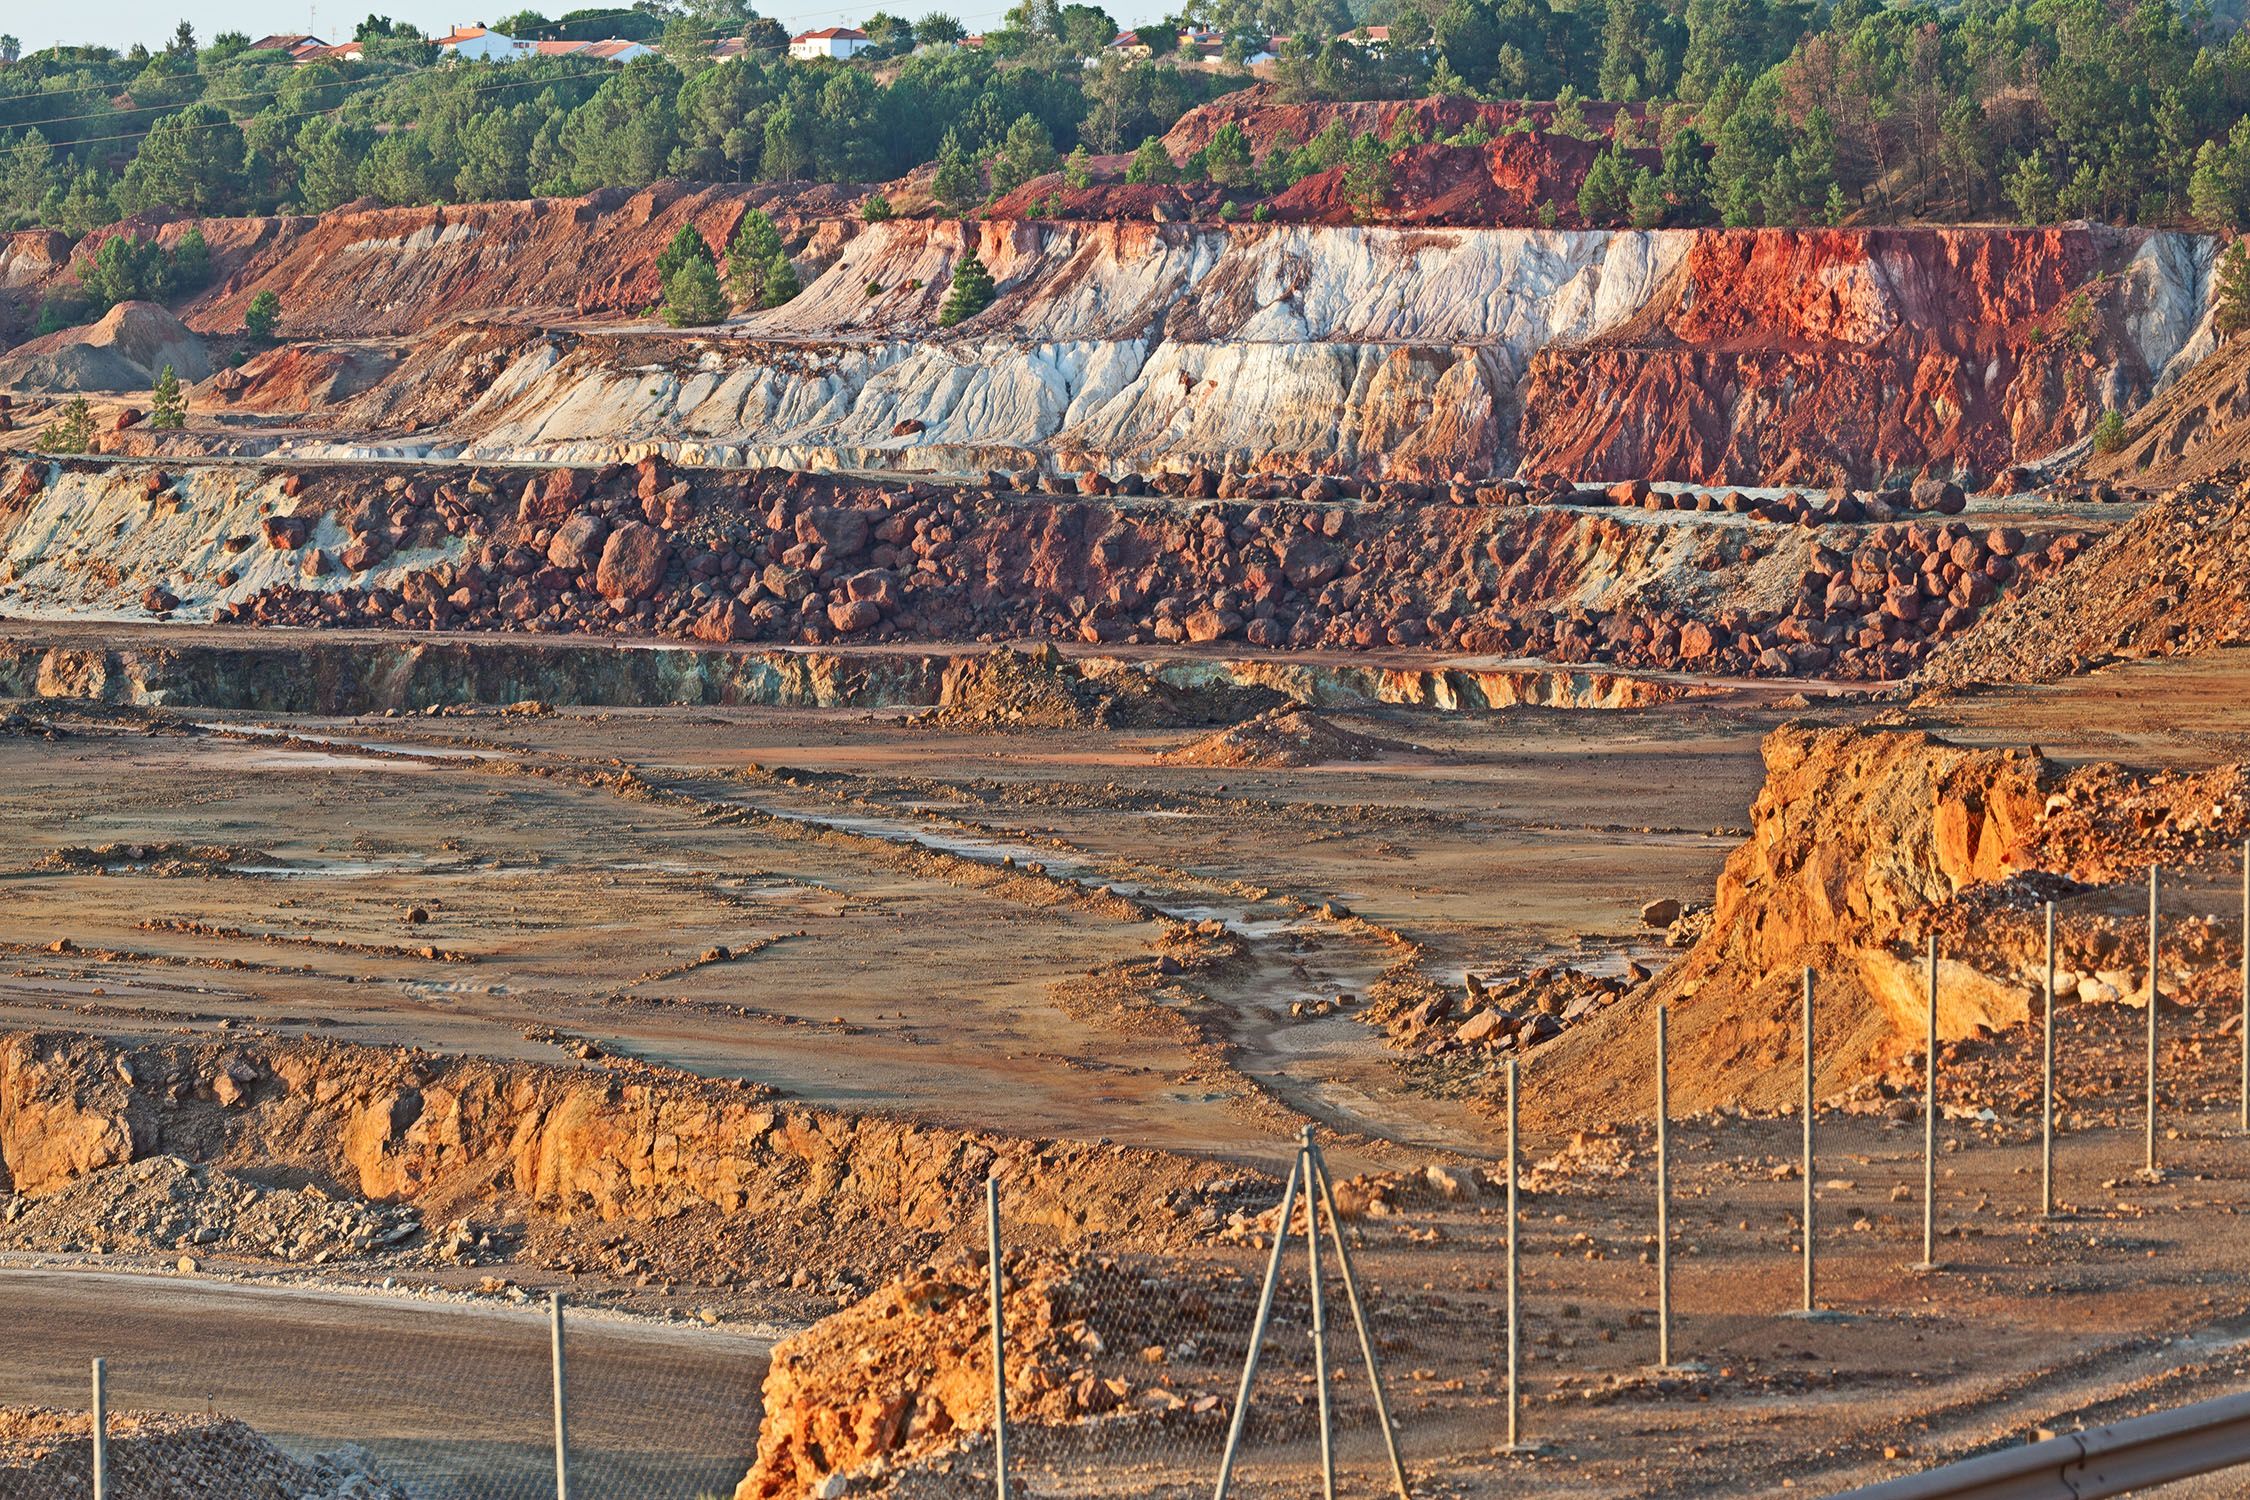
(451, 1398)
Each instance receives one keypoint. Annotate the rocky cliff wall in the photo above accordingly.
(1721, 357)
(1725, 356)
(621, 1144)
(1863, 844)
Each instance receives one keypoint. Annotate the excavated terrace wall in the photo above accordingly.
(1725, 356)
(630, 1144)
(803, 560)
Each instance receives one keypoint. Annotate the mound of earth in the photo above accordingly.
(1008, 689)
(2196, 428)
(1864, 842)
(1282, 737)
(295, 379)
(123, 352)
(151, 859)
(47, 1454)
(2174, 581)
(1506, 182)
(1098, 1349)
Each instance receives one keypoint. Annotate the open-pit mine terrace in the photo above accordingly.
(514, 798)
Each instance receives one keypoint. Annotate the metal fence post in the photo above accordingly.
(1258, 1328)
(1515, 1304)
(1319, 1320)
(562, 1396)
(1663, 1197)
(999, 1340)
(1929, 1127)
(2150, 1165)
(1316, 1179)
(1810, 1303)
(101, 1430)
(2047, 1085)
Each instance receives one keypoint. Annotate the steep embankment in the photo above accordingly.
(807, 560)
(1863, 843)
(1740, 357)
(2197, 429)
(719, 1178)
(2173, 581)
(1737, 356)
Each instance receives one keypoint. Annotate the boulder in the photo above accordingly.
(632, 563)
(578, 542)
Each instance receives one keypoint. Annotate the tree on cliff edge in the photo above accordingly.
(971, 294)
(2234, 290)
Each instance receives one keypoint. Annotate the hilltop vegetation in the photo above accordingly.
(1767, 111)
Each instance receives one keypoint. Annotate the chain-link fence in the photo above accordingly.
(1125, 1363)
(223, 1390)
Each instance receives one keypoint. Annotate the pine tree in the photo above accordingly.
(71, 432)
(686, 245)
(1151, 163)
(1078, 167)
(750, 253)
(956, 182)
(780, 281)
(1645, 200)
(971, 294)
(692, 297)
(2031, 188)
(167, 408)
(1602, 195)
(262, 316)
(2109, 432)
(2234, 290)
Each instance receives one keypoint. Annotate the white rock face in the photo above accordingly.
(92, 540)
(1149, 345)
(1161, 346)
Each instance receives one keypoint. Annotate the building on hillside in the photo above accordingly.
(297, 44)
(829, 41)
(1373, 38)
(477, 42)
(1129, 44)
(616, 50)
(341, 52)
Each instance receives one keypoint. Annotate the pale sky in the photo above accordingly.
(120, 23)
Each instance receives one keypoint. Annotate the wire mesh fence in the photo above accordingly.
(1125, 1366)
(217, 1390)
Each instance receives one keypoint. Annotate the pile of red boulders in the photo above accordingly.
(1266, 560)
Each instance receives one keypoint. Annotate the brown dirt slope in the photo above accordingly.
(122, 352)
(1863, 843)
(48, 1455)
(1281, 737)
(625, 1143)
(2173, 581)
(2198, 428)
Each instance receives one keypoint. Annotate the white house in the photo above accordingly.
(829, 41)
(478, 43)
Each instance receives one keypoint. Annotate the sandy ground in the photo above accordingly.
(892, 945)
(886, 957)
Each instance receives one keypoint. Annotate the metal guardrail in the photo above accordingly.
(2116, 1459)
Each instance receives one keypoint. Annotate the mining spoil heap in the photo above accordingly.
(512, 797)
